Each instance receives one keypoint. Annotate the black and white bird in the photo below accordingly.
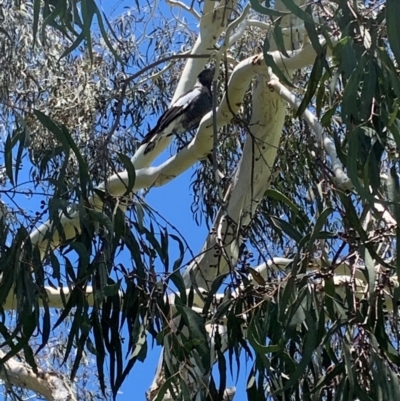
(185, 113)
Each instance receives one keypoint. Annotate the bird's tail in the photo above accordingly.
(149, 140)
(149, 147)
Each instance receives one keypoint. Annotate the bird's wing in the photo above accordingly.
(177, 108)
(174, 111)
(187, 98)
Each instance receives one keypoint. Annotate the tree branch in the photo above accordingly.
(175, 3)
(342, 179)
(50, 385)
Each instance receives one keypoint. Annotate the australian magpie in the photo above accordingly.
(185, 113)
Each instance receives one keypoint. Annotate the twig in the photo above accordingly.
(175, 3)
(327, 143)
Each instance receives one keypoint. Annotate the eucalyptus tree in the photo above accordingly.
(299, 269)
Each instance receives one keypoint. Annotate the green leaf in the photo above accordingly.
(167, 385)
(347, 361)
(313, 82)
(163, 253)
(392, 22)
(269, 60)
(23, 138)
(355, 138)
(345, 55)
(139, 341)
(321, 95)
(198, 334)
(368, 91)
(215, 285)
(165, 247)
(288, 293)
(222, 310)
(63, 135)
(287, 228)
(325, 380)
(83, 254)
(393, 187)
(135, 250)
(313, 34)
(370, 272)
(130, 169)
(8, 159)
(28, 353)
(321, 221)
(391, 69)
(59, 12)
(280, 43)
(177, 279)
(279, 196)
(261, 350)
(100, 218)
(80, 38)
(52, 127)
(112, 289)
(178, 262)
(327, 117)
(309, 347)
(88, 8)
(350, 104)
(104, 33)
(36, 11)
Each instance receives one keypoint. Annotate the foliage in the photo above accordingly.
(65, 117)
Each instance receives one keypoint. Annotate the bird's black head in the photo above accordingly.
(206, 77)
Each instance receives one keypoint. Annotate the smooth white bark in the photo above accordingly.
(50, 385)
(250, 182)
(54, 298)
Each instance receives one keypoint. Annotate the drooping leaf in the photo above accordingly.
(314, 81)
(269, 60)
(126, 161)
(392, 20)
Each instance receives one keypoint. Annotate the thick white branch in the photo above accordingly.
(341, 268)
(54, 297)
(344, 274)
(386, 215)
(250, 182)
(50, 385)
